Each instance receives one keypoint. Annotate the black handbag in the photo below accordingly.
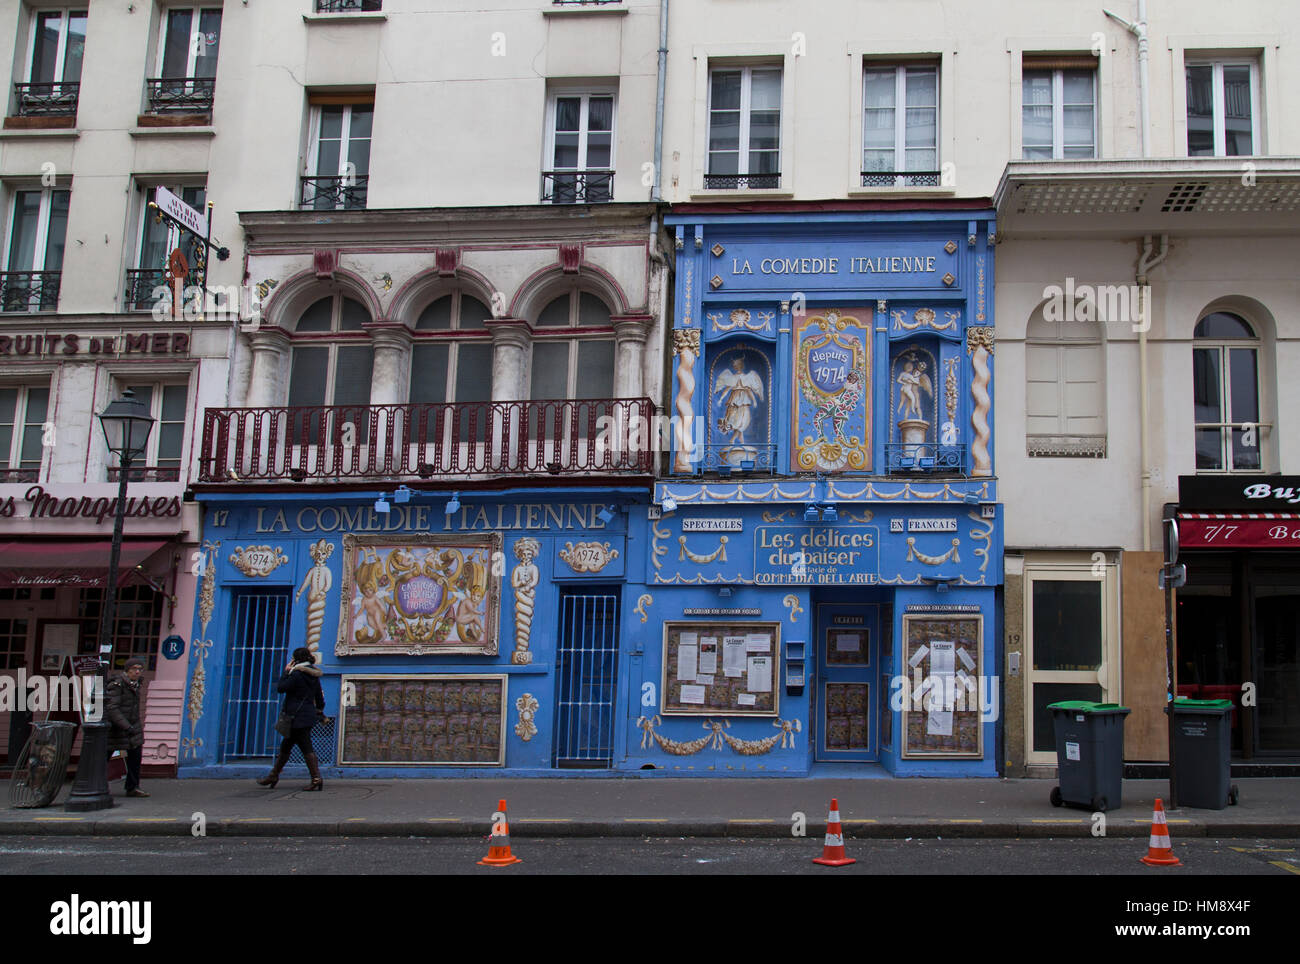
(284, 722)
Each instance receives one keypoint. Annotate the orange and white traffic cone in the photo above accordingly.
(1159, 851)
(833, 849)
(499, 844)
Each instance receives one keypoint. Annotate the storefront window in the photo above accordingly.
(137, 622)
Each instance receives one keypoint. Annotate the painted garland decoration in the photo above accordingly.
(716, 736)
(208, 591)
(198, 687)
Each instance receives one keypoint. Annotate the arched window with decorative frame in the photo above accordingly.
(451, 362)
(573, 349)
(1226, 394)
(330, 372)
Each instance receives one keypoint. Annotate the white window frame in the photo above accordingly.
(586, 93)
(746, 88)
(144, 189)
(60, 57)
(311, 160)
(13, 458)
(900, 115)
(1216, 99)
(1225, 428)
(157, 384)
(1058, 111)
(1107, 675)
(42, 225)
(196, 21)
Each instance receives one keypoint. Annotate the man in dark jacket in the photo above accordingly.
(122, 708)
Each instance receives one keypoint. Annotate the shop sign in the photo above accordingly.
(423, 518)
(933, 608)
(1239, 533)
(712, 525)
(816, 555)
(1269, 493)
(846, 264)
(47, 505)
(142, 343)
(173, 647)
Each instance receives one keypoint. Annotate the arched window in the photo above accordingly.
(1225, 390)
(1065, 388)
(331, 365)
(573, 349)
(451, 360)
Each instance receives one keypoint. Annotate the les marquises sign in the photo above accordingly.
(43, 505)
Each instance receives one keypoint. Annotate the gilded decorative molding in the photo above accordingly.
(686, 346)
(740, 318)
(791, 602)
(656, 550)
(688, 306)
(979, 336)
(950, 390)
(719, 554)
(979, 290)
(915, 554)
(198, 688)
(588, 556)
(779, 516)
(982, 535)
(864, 516)
(643, 600)
(979, 345)
(925, 318)
(317, 584)
(527, 705)
(208, 590)
(523, 580)
(717, 736)
(258, 560)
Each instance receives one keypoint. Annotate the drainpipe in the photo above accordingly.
(1139, 30)
(1146, 262)
(656, 193)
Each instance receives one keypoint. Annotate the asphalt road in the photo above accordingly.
(81, 856)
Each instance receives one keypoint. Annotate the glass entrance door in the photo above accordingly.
(845, 703)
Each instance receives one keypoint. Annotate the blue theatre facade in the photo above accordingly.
(827, 562)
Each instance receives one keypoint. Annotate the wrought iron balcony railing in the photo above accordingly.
(332, 193)
(29, 290)
(349, 6)
(338, 442)
(146, 473)
(180, 95)
(742, 182)
(729, 457)
(925, 457)
(577, 187)
(19, 475)
(47, 99)
(141, 286)
(901, 179)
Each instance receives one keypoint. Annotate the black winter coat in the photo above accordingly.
(122, 710)
(302, 695)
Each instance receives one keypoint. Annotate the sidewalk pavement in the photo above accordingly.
(683, 807)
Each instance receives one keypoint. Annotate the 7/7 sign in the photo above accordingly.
(1239, 533)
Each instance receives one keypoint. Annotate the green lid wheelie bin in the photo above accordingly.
(1089, 754)
(1202, 748)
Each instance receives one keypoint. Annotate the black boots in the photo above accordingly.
(272, 778)
(313, 767)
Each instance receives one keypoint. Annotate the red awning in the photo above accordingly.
(36, 562)
(1239, 530)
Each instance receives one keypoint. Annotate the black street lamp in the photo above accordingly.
(126, 424)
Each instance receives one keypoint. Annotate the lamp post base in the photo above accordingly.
(90, 788)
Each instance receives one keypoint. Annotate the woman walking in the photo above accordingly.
(303, 703)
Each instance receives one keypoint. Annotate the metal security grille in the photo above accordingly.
(257, 652)
(587, 670)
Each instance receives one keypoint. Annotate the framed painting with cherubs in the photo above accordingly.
(420, 595)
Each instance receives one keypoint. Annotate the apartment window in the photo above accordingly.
(23, 413)
(573, 349)
(338, 161)
(1225, 387)
(167, 405)
(38, 223)
(1058, 110)
(187, 60)
(580, 131)
(330, 366)
(900, 126)
(1222, 109)
(157, 241)
(457, 369)
(1065, 389)
(744, 128)
(58, 44)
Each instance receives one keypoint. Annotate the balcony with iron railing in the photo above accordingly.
(146, 473)
(742, 182)
(577, 187)
(901, 179)
(30, 474)
(331, 193)
(142, 286)
(925, 458)
(739, 457)
(25, 291)
(56, 99)
(349, 6)
(180, 95)
(371, 442)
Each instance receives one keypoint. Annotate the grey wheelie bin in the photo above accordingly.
(1089, 754)
(1202, 747)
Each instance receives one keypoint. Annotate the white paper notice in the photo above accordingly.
(942, 663)
(693, 694)
(733, 656)
(704, 680)
(708, 656)
(965, 658)
(760, 674)
(758, 643)
(915, 661)
(689, 639)
(687, 662)
(848, 643)
(746, 699)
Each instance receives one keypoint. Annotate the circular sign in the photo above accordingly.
(173, 647)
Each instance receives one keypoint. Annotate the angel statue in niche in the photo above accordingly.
(912, 380)
(741, 393)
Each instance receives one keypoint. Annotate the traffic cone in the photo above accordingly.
(499, 844)
(1159, 851)
(833, 849)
